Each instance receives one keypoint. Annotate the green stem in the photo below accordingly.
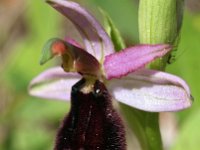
(159, 22)
(152, 131)
(145, 126)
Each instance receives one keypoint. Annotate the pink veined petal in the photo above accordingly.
(96, 40)
(53, 83)
(131, 59)
(151, 90)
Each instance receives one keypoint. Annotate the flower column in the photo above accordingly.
(159, 22)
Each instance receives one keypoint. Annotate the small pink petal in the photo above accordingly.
(131, 59)
(151, 90)
(96, 40)
(53, 83)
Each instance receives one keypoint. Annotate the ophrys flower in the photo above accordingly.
(123, 73)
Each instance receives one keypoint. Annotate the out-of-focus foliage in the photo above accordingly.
(124, 14)
(187, 66)
(26, 122)
(31, 123)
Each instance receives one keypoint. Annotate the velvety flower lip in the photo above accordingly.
(148, 90)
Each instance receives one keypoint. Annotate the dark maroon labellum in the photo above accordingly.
(92, 123)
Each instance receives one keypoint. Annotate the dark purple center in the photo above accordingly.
(92, 123)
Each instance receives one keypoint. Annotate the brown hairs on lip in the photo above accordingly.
(92, 122)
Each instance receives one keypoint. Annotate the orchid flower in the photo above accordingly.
(123, 72)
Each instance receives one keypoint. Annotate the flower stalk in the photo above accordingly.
(159, 22)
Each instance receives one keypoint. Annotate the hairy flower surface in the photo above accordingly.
(122, 72)
(92, 122)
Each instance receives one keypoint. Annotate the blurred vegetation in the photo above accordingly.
(30, 123)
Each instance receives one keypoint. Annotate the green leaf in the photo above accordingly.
(124, 14)
(113, 32)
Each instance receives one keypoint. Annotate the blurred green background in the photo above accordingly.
(28, 123)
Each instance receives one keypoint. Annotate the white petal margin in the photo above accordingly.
(152, 91)
(54, 84)
(96, 40)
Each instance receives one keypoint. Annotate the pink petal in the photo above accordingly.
(131, 59)
(53, 83)
(96, 40)
(151, 91)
